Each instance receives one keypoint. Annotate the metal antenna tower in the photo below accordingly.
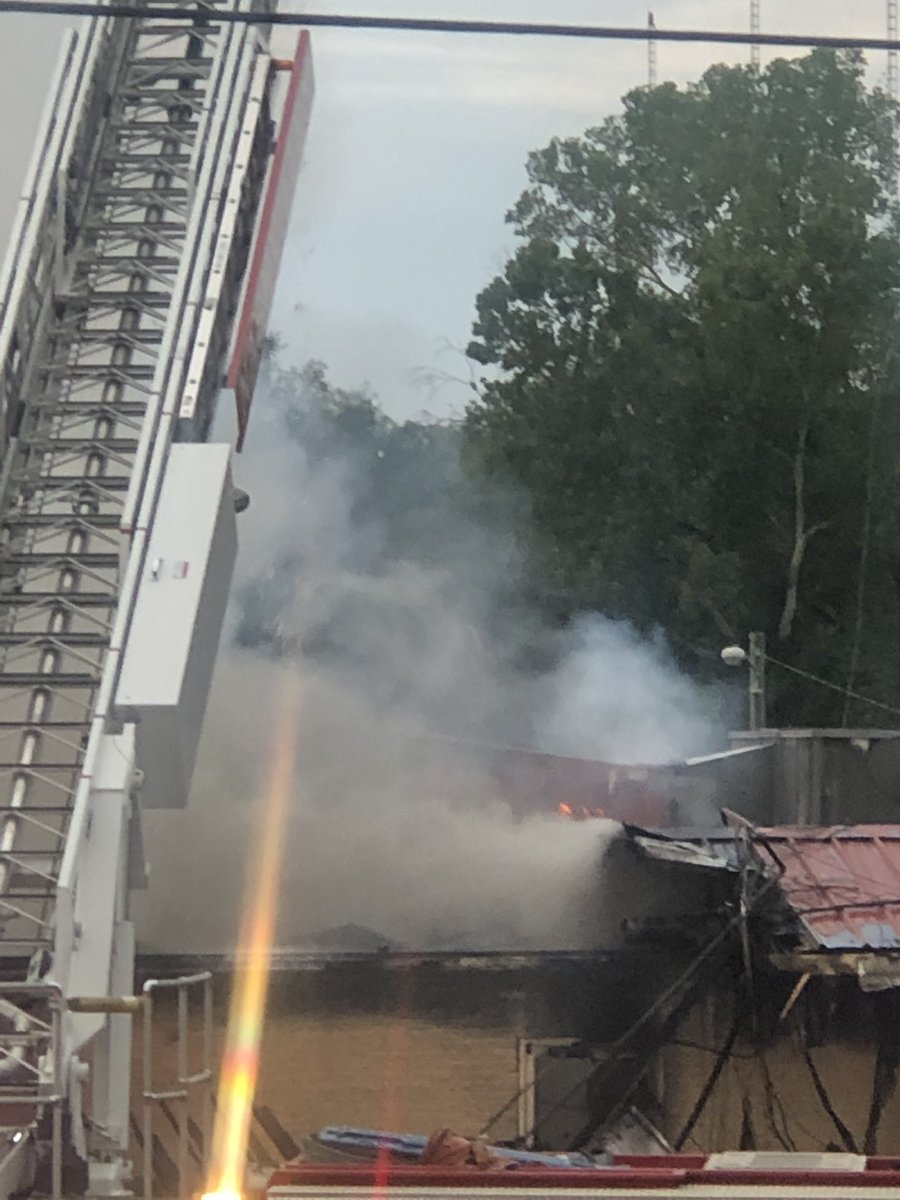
(892, 54)
(651, 52)
(754, 28)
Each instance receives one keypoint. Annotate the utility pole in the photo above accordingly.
(754, 28)
(651, 53)
(892, 54)
(757, 663)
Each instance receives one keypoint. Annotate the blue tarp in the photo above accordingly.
(411, 1146)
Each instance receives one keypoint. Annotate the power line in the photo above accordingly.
(686, 977)
(834, 687)
(81, 8)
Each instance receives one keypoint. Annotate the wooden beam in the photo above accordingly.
(802, 962)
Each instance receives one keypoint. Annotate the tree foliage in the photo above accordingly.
(691, 369)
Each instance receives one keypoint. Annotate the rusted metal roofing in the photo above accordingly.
(843, 882)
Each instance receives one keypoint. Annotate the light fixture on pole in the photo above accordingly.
(755, 657)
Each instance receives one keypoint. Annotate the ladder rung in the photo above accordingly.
(110, 297)
(164, 110)
(61, 641)
(119, 337)
(49, 809)
(127, 193)
(125, 372)
(113, 445)
(165, 126)
(43, 881)
(147, 96)
(126, 202)
(27, 894)
(175, 106)
(203, 7)
(84, 521)
(160, 63)
(57, 483)
(40, 726)
(63, 599)
(177, 25)
(155, 159)
(24, 854)
(46, 557)
(142, 226)
(100, 408)
(9, 679)
(132, 261)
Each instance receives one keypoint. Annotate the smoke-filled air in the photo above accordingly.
(403, 621)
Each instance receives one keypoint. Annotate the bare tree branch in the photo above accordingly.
(802, 535)
(658, 279)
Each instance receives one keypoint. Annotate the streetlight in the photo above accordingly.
(736, 656)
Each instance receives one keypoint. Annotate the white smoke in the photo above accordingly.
(621, 698)
(372, 840)
(392, 829)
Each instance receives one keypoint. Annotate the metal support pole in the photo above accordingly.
(147, 1056)
(56, 1186)
(206, 1066)
(757, 663)
(183, 1161)
(526, 1108)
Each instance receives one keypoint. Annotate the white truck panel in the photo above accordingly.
(168, 662)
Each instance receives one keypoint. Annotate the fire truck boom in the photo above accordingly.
(153, 204)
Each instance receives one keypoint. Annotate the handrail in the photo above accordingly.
(44, 1039)
(187, 1081)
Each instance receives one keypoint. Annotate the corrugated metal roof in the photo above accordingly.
(691, 846)
(843, 882)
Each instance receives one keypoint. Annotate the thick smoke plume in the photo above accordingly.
(397, 835)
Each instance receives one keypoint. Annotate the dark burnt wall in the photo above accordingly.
(549, 995)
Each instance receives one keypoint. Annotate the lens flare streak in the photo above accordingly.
(240, 1062)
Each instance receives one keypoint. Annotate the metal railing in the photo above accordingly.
(191, 1078)
(31, 1065)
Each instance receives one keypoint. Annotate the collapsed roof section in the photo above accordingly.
(832, 894)
(843, 885)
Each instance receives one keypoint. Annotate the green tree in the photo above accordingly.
(692, 370)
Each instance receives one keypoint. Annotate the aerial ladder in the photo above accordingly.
(140, 272)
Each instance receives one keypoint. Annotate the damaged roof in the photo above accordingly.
(843, 882)
(689, 846)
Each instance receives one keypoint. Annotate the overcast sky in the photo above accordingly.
(416, 151)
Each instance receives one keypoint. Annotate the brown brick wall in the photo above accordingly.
(385, 1072)
(370, 1070)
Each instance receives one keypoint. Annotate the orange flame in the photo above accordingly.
(582, 814)
(240, 1062)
